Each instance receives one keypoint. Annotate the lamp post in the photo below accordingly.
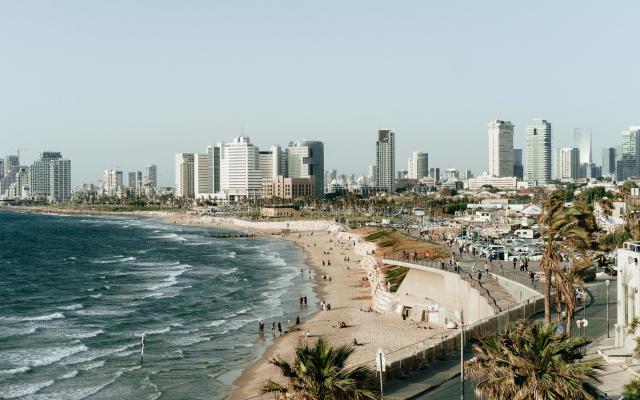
(607, 283)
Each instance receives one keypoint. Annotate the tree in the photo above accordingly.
(607, 206)
(631, 390)
(566, 230)
(531, 361)
(319, 373)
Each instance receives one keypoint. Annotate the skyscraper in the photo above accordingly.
(386, 159)
(201, 179)
(272, 162)
(184, 183)
(500, 148)
(569, 163)
(151, 176)
(1, 168)
(135, 183)
(10, 162)
(538, 152)
(629, 164)
(518, 168)
(111, 181)
(372, 177)
(418, 165)
(304, 159)
(582, 140)
(40, 173)
(240, 170)
(60, 180)
(434, 173)
(608, 161)
(214, 153)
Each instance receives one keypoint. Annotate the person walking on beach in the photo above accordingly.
(261, 327)
(273, 327)
(298, 320)
(279, 328)
(305, 300)
(301, 300)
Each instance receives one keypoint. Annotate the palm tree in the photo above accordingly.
(566, 284)
(319, 373)
(566, 230)
(531, 361)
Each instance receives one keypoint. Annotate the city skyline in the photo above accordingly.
(177, 88)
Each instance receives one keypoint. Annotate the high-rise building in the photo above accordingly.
(214, 153)
(240, 170)
(40, 173)
(451, 174)
(151, 176)
(609, 161)
(135, 183)
(201, 179)
(500, 148)
(582, 141)
(569, 163)
(184, 183)
(629, 164)
(518, 167)
(372, 177)
(538, 152)
(386, 159)
(434, 173)
(60, 180)
(111, 181)
(304, 159)
(1, 168)
(11, 162)
(418, 165)
(272, 162)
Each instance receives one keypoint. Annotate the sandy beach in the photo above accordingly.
(345, 288)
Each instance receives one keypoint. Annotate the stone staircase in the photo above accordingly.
(489, 287)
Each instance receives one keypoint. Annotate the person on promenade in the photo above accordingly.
(479, 276)
(486, 268)
(515, 261)
(532, 276)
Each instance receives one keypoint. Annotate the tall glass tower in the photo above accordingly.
(538, 152)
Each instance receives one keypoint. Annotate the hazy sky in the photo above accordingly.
(126, 83)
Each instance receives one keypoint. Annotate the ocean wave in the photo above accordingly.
(188, 340)
(38, 357)
(154, 332)
(157, 263)
(93, 365)
(102, 311)
(232, 254)
(228, 271)
(8, 332)
(48, 317)
(96, 296)
(217, 323)
(69, 375)
(14, 371)
(93, 355)
(72, 307)
(23, 389)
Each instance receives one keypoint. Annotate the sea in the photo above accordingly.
(77, 293)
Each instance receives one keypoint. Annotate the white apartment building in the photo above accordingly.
(239, 170)
(184, 183)
(201, 179)
(500, 148)
(135, 183)
(111, 181)
(150, 176)
(386, 159)
(504, 183)
(418, 165)
(538, 152)
(272, 162)
(60, 180)
(569, 163)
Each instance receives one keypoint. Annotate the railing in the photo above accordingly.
(477, 285)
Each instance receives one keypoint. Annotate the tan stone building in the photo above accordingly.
(287, 188)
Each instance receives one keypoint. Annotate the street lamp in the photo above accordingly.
(607, 283)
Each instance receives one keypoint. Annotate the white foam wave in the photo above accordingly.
(72, 307)
(69, 375)
(93, 355)
(96, 296)
(103, 311)
(188, 340)
(37, 357)
(48, 317)
(232, 254)
(23, 389)
(93, 365)
(217, 323)
(14, 371)
(154, 332)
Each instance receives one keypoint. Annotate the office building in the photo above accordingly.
(272, 162)
(372, 175)
(60, 180)
(609, 161)
(111, 181)
(538, 152)
(385, 159)
(1, 168)
(184, 180)
(239, 170)
(434, 173)
(11, 162)
(582, 141)
(480, 182)
(418, 165)
(304, 159)
(518, 167)
(40, 172)
(214, 153)
(451, 174)
(500, 148)
(135, 183)
(150, 176)
(201, 179)
(569, 163)
(629, 164)
(288, 188)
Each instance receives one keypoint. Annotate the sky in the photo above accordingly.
(122, 84)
